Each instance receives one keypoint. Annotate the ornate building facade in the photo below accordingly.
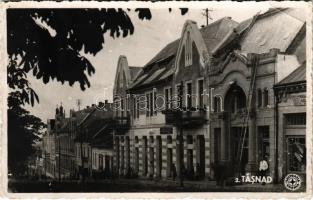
(208, 98)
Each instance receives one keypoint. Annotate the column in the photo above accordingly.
(252, 164)
(223, 118)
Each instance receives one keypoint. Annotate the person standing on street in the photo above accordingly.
(263, 167)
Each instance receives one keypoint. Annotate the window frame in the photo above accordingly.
(200, 97)
(186, 94)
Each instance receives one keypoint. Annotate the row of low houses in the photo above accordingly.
(228, 93)
(80, 144)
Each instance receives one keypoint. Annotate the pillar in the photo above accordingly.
(223, 118)
(252, 164)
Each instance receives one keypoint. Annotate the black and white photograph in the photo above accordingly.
(146, 98)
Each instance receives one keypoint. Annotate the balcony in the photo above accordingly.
(121, 124)
(185, 118)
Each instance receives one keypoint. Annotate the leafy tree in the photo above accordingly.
(47, 43)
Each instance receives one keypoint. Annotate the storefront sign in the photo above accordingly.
(166, 130)
(299, 100)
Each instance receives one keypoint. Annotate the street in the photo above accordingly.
(137, 185)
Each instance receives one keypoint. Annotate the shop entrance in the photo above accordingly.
(201, 156)
(296, 154)
(239, 149)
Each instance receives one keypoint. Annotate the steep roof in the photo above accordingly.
(216, 31)
(161, 66)
(169, 50)
(298, 75)
(276, 28)
(263, 32)
(134, 71)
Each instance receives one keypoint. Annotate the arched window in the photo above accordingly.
(265, 97)
(188, 50)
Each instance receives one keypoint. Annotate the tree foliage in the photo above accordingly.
(47, 43)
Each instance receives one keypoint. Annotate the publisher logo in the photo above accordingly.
(292, 182)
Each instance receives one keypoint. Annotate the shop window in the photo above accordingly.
(295, 119)
(296, 153)
(263, 142)
(259, 98)
(100, 161)
(265, 97)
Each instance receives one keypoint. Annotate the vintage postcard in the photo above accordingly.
(156, 100)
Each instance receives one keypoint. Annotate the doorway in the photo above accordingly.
(239, 148)
(201, 156)
(169, 161)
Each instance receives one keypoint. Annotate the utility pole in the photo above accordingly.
(206, 14)
(78, 102)
(180, 137)
(59, 166)
(81, 155)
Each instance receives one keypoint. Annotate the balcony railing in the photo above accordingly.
(184, 117)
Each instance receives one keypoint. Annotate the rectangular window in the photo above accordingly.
(296, 119)
(148, 105)
(122, 107)
(188, 95)
(154, 102)
(259, 98)
(167, 106)
(179, 97)
(200, 93)
(134, 107)
(168, 98)
(265, 98)
(137, 108)
(151, 103)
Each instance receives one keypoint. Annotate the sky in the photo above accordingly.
(149, 37)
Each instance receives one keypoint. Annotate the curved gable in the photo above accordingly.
(190, 30)
(122, 75)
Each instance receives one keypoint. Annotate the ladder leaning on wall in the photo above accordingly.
(254, 66)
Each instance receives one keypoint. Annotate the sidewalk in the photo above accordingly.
(209, 186)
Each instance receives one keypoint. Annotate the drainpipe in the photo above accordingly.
(276, 135)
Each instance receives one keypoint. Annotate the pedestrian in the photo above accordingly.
(217, 173)
(263, 167)
(174, 172)
(197, 171)
(191, 173)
